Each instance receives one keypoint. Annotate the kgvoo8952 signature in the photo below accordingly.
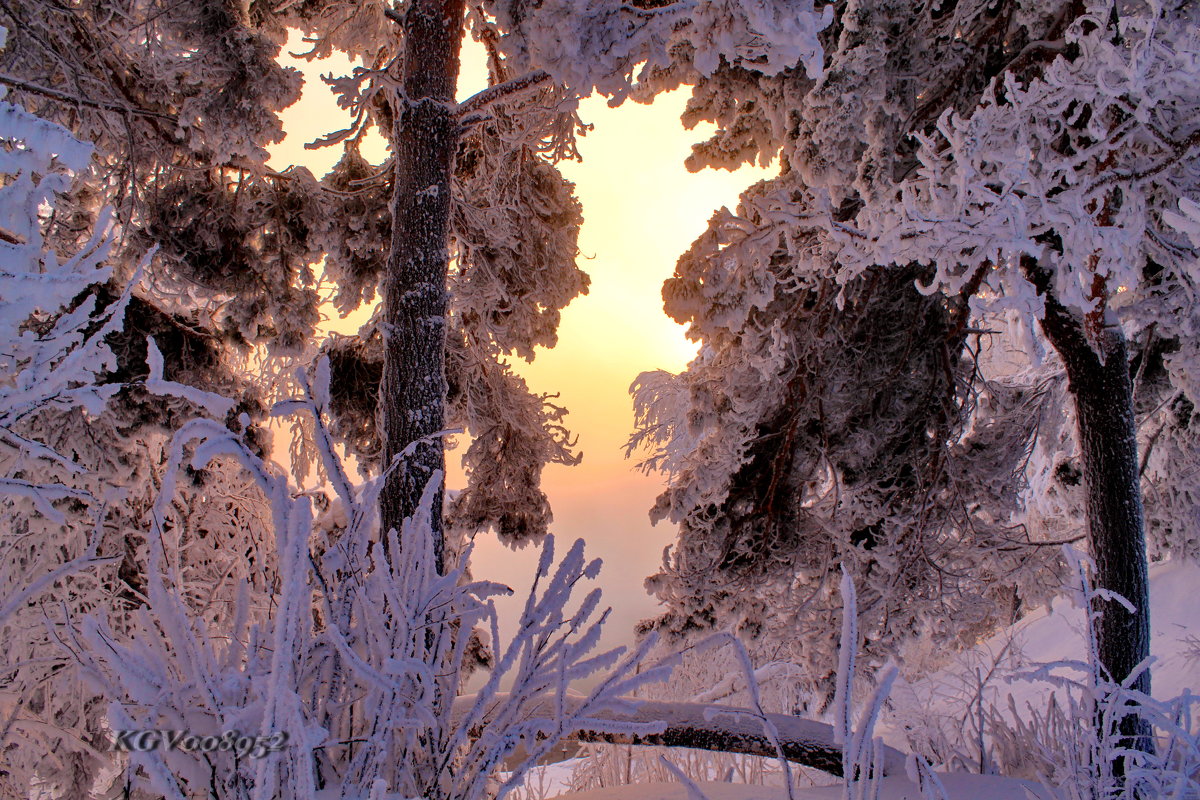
(241, 745)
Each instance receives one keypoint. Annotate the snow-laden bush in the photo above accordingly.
(76, 470)
(350, 671)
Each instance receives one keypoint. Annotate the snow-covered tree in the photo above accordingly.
(1052, 193)
(81, 427)
(479, 209)
(54, 329)
(838, 413)
(834, 419)
(181, 101)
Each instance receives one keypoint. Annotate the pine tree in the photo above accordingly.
(1079, 243)
(1013, 157)
(835, 417)
(513, 242)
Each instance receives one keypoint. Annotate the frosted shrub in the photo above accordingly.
(862, 750)
(356, 656)
(964, 718)
(52, 350)
(75, 469)
(1074, 743)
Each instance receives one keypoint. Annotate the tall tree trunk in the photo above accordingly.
(1098, 376)
(415, 298)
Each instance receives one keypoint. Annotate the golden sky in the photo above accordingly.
(641, 210)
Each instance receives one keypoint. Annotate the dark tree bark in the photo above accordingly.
(1098, 377)
(415, 298)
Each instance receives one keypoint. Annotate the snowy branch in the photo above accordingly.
(486, 97)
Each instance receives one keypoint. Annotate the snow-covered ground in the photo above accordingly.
(958, 787)
(1056, 634)
(1048, 635)
(554, 779)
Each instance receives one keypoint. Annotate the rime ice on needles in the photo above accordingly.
(54, 352)
(832, 414)
(995, 184)
(609, 46)
(57, 365)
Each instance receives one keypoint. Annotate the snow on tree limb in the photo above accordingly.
(1053, 199)
(216, 405)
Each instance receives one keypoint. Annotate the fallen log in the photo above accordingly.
(716, 728)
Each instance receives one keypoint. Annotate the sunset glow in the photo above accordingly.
(642, 208)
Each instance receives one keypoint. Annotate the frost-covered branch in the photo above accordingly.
(356, 655)
(480, 100)
(57, 94)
